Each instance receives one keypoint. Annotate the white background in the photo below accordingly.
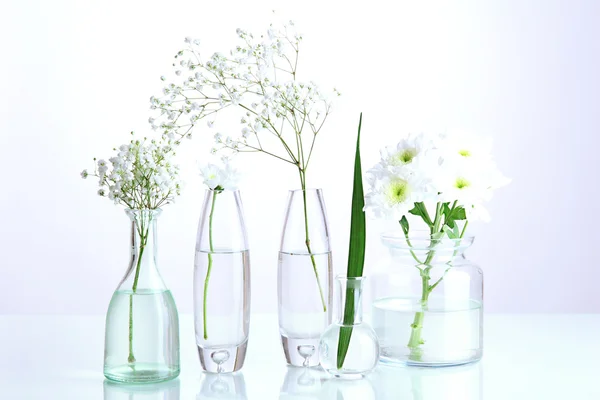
(76, 76)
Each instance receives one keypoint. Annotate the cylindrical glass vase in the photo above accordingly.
(360, 354)
(142, 325)
(304, 277)
(428, 302)
(222, 283)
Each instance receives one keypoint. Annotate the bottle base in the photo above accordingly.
(405, 362)
(141, 373)
(301, 352)
(222, 359)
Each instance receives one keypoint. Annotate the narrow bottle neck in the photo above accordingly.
(143, 272)
(350, 291)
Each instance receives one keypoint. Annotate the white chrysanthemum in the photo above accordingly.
(470, 183)
(464, 146)
(409, 150)
(221, 176)
(394, 191)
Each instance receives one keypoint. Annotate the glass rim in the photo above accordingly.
(306, 190)
(137, 210)
(343, 277)
(421, 240)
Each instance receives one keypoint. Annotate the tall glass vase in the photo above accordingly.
(222, 283)
(304, 284)
(142, 325)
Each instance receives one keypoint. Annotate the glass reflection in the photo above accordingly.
(411, 383)
(339, 389)
(223, 386)
(154, 391)
(303, 383)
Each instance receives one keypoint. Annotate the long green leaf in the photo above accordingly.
(356, 253)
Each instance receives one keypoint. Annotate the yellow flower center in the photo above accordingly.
(397, 192)
(464, 153)
(404, 157)
(462, 183)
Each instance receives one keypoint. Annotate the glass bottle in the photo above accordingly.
(304, 277)
(222, 283)
(428, 302)
(142, 325)
(363, 349)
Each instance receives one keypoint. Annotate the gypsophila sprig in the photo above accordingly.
(279, 115)
(258, 77)
(142, 175)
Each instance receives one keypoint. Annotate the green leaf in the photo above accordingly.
(356, 252)
(404, 225)
(421, 211)
(452, 233)
(453, 214)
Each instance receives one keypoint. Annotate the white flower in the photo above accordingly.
(222, 176)
(450, 168)
(393, 192)
(84, 174)
(101, 192)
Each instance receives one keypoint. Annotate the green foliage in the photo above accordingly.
(356, 252)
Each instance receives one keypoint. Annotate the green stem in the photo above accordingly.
(416, 340)
(210, 262)
(307, 241)
(143, 233)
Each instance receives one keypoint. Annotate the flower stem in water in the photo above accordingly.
(210, 263)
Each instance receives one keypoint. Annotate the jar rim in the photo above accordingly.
(421, 240)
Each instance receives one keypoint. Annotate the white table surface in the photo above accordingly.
(525, 357)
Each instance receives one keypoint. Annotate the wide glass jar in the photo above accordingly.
(428, 302)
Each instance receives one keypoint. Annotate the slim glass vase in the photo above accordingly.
(304, 277)
(222, 283)
(363, 350)
(142, 325)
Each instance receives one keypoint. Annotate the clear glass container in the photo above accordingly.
(363, 349)
(428, 302)
(304, 277)
(142, 325)
(222, 283)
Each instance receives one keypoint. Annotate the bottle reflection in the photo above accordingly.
(155, 391)
(223, 386)
(411, 383)
(302, 383)
(361, 389)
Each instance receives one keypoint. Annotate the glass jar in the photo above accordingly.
(363, 347)
(222, 283)
(142, 325)
(304, 277)
(428, 302)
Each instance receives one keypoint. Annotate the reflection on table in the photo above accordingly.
(411, 383)
(156, 391)
(406, 383)
(223, 386)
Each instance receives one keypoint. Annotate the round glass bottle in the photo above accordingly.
(142, 325)
(222, 283)
(363, 347)
(428, 302)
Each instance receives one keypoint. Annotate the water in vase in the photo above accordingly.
(304, 311)
(451, 330)
(150, 316)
